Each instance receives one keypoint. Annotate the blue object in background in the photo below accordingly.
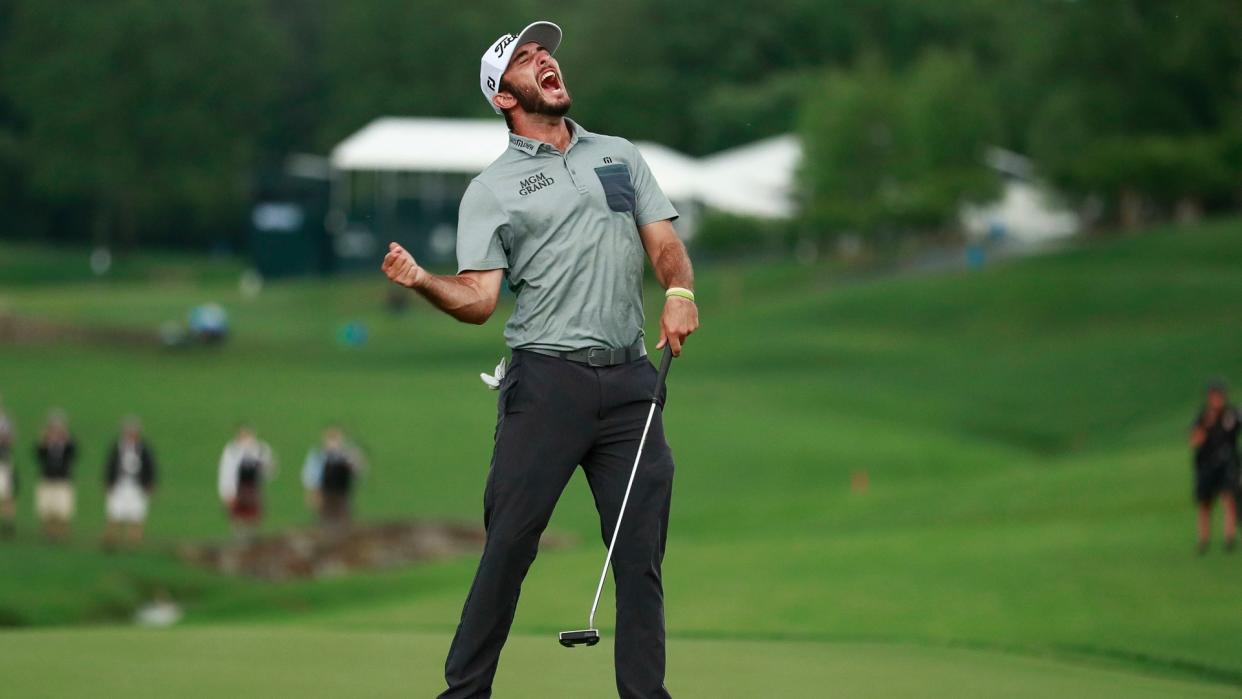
(976, 256)
(352, 334)
(209, 323)
(996, 231)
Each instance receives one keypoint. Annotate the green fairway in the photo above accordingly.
(1022, 427)
(313, 663)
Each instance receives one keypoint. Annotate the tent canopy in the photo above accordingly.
(467, 146)
(676, 172)
(423, 145)
(756, 179)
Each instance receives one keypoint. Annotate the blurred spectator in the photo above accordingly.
(129, 479)
(1214, 438)
(54, 500)
(209, 323)
(8, 479)
(328, 475)
(247, 462)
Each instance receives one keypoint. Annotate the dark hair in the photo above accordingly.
(506, 87)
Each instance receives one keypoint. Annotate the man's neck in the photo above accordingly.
(553, 130)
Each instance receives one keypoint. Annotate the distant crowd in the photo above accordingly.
(332, 468)
(130, 475)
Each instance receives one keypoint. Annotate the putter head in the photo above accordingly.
(585, 637)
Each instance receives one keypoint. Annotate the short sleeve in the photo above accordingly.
(652, 205)
(479, 223)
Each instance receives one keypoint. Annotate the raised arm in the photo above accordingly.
(1198, 436)
(672, 268)
(1198, 431)
(469, 296)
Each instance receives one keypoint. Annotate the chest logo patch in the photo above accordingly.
(534, 183)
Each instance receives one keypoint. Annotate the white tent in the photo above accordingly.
(756, 179)
(1025, 214)
(677, 173)
(422, 145)
(427, 160)
(467, 146)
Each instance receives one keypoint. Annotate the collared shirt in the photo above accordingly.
(564, 227)
(238, 452)
(130, 462)
(56, 459)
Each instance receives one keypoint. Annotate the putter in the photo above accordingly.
(590, 635)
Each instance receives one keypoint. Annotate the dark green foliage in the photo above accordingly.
(1133, 97)
(147, 110)
(1023, 428)
(145, 120)
(885, 150)
(722, 234)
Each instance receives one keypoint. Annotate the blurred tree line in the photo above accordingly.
(141, 120)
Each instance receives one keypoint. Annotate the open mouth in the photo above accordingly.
(549, 81)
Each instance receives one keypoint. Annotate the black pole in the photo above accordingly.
(665, 362)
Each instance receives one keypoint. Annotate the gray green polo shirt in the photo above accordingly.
(564, 227)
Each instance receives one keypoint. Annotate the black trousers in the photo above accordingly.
(554, 415)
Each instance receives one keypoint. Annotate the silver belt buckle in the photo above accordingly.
(591, 361)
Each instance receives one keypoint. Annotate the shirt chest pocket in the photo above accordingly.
(618, 187)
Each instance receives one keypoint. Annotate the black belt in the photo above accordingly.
(598, 356)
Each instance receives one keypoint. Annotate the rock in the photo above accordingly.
(334, 551)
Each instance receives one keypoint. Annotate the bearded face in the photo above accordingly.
(534, 79)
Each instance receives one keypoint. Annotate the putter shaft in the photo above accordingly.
(616, 530)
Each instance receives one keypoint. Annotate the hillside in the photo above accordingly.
(1022, 429)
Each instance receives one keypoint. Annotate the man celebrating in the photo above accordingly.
(565, 215)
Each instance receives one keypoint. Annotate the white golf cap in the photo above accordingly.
(496, 58)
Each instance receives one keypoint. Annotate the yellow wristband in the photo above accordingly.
(679, 291)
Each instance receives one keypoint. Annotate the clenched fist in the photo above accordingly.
(400, 267)
(680, 318)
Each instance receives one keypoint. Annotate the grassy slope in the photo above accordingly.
(1023, 429)
(258, 662)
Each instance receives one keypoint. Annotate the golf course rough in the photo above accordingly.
(1023, 430)
(312, 663)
